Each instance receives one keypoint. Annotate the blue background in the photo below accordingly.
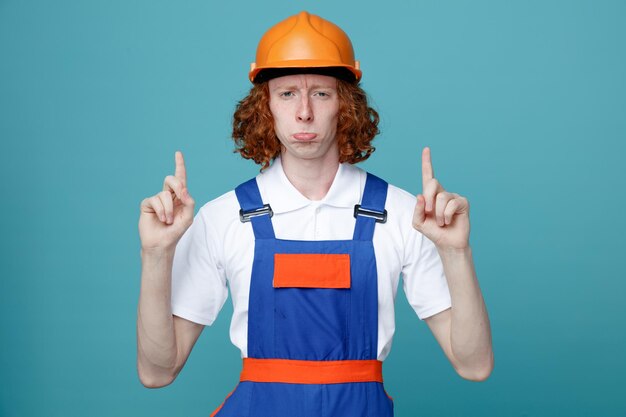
(523, 104)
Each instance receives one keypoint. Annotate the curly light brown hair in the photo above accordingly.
(255, 137)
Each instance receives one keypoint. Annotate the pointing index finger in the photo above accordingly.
(181, 172)
(427, 167)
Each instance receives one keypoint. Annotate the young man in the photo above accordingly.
(312, 248)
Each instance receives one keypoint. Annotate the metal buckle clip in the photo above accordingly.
(380, 217)
(245, 216)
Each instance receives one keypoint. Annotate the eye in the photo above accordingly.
(323, 94)
(286, 94)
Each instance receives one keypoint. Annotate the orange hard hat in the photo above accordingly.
(305, 41)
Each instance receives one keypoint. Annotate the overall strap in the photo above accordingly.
(253, 210)
(372, 208)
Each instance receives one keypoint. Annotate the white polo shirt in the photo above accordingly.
(217, 251)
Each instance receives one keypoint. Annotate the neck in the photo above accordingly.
(312, 178)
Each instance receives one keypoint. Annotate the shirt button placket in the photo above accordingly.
(317, 212)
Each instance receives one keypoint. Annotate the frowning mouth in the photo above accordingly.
(302, 136)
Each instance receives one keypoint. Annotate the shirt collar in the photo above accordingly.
(276, 189)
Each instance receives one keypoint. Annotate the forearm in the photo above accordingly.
(470, 331)
(156, 340)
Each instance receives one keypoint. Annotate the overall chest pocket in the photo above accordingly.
(311, 305)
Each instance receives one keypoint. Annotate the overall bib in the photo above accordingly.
(312, 320)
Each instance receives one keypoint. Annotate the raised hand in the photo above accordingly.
(166, 216)
(442, 217)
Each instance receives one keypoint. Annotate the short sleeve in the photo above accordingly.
(424, 281)
(198, 280)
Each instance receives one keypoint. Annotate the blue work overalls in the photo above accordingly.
(312, 352)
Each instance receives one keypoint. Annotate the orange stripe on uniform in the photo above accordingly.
(311, 270)
(217, 410)
(389, 396)
(311, 372)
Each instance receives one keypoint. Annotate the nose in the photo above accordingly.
(305, 112)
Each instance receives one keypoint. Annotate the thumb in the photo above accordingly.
(419, 215)
(187, 201)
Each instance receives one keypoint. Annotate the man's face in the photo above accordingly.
(305, 108)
